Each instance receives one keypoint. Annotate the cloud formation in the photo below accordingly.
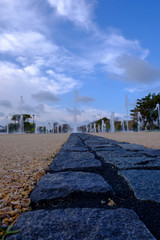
(2, 114)
(84, 99)
(27, 17)
(78, 12)
(5, 103)
(45, 96)
(139, 70)
(36, 109)
(27, 44)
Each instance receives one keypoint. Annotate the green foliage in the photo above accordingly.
(28, 127)
(118, 126)
(106, 121)
(146, 106)
(16, 117)
(4, 232)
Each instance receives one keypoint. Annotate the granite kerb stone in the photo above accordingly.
(144, 183)
(63, 184)
(82, 224)
(71, 148)
(74, 160)
(74, 143)
(131, 147)
(132, 162)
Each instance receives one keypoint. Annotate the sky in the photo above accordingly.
(103, 49)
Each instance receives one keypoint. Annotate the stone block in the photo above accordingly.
(62, 184)
(144, 183)
(81, 224)
(74, 160)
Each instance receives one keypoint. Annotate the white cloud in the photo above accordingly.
(20, 15)
(135, 69)
(60, 83)
(73, 111)
(78, 12)
(84, 99)
(2, 114)
(34, 109)
(26, 44)
(16, 80)
(45, 96)
(32, 70)
(5, 103)
(106, 48)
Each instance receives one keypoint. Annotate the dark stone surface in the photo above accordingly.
(70, 148)
(131, 147)
(81, 224)
(152, 152)
(129, 161)
(97, 144)
(119, 153)
(99, 148)
(99, 140)
(74, 143)
(61, 185)
(74, 160)
(145, 183)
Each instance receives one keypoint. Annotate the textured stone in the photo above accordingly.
(99, 145)
(131, 161)
(152, 152)
(81, 224)
(117, 153)
(74, 143)
(61, 185)
(149, 163)
(109, 149)
(131, 147)
(74, 160)
(145, 183)
(94, 142)
(71, 148)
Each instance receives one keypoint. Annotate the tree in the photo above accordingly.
(17, 118)
(147, 108)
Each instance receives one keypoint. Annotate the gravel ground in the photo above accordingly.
(147, 139)
(24, 158)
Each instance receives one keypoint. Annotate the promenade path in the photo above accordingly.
(96, 189)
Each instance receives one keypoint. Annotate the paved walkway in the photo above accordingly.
(96, 189)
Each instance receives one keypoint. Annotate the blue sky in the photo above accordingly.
(104, 49)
